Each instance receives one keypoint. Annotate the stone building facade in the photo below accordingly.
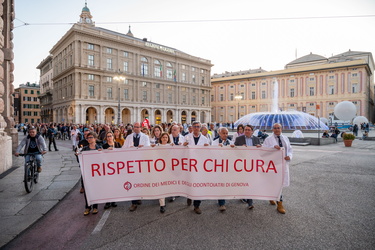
(29, 104)
(100, 76)
(46, 87)
(8, 134)
(312, 84)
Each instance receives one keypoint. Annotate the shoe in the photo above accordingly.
(95, 211)
(50, 150)
(87, 211)
(39, 169)
(162, 209)
(56, 150)
(139, 202)
(250, 207)
(197, 210)
(107, 205)
(132, 208)
(222, 208)
(113, 204)
(243, 201)
(172, 199)
(273, 203)
(280, 207)
(82, 190)
(188, 202)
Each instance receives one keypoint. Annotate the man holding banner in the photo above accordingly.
(136, 139)
(279, 141)
(196, 138)
(248, 140)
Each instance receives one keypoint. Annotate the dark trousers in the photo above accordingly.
(197, 203)
(52, 140)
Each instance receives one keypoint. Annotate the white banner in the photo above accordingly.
(199, 173)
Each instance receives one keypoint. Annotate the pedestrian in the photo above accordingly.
(196, 138)
(91, 138)
(222, 141)
(51, 133)
(249, 140)
(136, 139)
(278, 141)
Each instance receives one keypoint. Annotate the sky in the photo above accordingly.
(235, 35)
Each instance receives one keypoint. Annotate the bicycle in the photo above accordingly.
(31, 174)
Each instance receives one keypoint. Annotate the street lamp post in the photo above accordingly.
(119, 78)
(238, 97)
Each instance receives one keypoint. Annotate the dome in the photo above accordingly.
(85, 9)
(308, 58)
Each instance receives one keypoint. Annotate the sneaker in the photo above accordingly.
(162, 209)
(95, 211)
(250, 207)
(222, 208)
(87, 211)
(113, 204)
(197, 210)
(39, 169)
(107, 205)
(132, 208)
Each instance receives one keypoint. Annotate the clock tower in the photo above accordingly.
(86, 17)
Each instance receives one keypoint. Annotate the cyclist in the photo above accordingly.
(34, 144)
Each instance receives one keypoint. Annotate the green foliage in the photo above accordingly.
(348, 136)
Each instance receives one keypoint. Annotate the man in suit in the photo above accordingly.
(136, 139)
(248, 140)
(279, 141)
(196, 138)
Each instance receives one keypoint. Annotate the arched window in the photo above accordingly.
(144, 66)
(158, 69)
(169, 71)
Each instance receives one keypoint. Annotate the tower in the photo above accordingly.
(86, 17)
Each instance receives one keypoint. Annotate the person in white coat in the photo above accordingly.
(176, 137)
(278, 140)
(196, 138)
(136, 139)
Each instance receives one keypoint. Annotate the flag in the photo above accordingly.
(146, 123)
(161, 70)
(175, 76)
(143, 69)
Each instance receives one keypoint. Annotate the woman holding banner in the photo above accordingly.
(111, 144)
(91, 138)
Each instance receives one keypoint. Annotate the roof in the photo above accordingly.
(350, 53)
(308, 58)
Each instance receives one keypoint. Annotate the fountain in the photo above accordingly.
(290, 120)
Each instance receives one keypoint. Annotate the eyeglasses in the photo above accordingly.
(277, 128)
(136, 127)
(90, 137)
(196, 126)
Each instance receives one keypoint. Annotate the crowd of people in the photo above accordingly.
(108, 137)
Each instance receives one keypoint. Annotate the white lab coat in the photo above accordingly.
(143, 140)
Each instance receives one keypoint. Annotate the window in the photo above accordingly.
(212, 98)
(126, 94)
(91, 90)
(253, 95)
(354, 88)
(90, 60)
(183, 66)
(126, 54)
(292, 105)
(263, 94)
(25, 91)
(157, 96)
(243, 95)
(291, 92)
(202, 71)
(331, 77)
(144, 96)
(157, 85)
(263, 83)
(193, 78)
(291, 81)
(35, 99)
(90, 77)
(354, 75)
(354, 102)
(32, 92)
(202, 79)
(312, 104)
(331, 103)
(183, 77)
(232, 87)
(126, 66)
(35, 113)
(144, 66)
(331, 89)
(203, 100)
(221, 97)
(109, 93)
(90, 46)
(158, 72)
(312, 79)
(253, 84)
(231, 97)
(109, 63)
(312, 91)
(169, 98)
(221, 87)
(109, 78)
(194, 100)
(242, 85)
(109, 50)
(144, 84)
(38, 92)
(169, 73)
